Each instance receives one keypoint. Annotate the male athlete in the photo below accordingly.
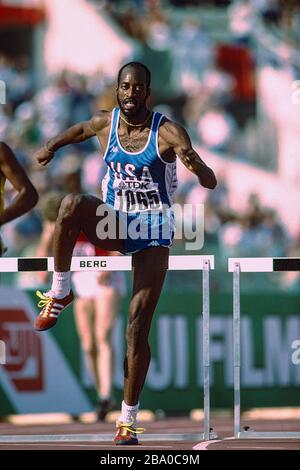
(140, 149)
(11, 170)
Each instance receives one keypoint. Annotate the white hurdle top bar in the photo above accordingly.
(256, 265)
(101, 263)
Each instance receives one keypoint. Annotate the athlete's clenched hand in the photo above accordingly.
(44, 156)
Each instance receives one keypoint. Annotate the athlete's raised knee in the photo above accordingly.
(71, 206)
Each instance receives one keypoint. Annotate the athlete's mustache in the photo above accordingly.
(129, 100)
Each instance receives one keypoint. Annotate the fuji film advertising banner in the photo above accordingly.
(46, 372)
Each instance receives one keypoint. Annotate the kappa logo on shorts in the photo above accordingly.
(154, 243)
(115, 149)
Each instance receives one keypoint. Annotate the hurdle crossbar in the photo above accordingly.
(236, 266)
(100, 263)
(264, 265)
(203, 263)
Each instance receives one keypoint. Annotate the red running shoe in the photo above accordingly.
(126, 434)
(51, 308)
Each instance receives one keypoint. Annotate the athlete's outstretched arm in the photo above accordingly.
(73, 135)
(181, 144)
(27, 196)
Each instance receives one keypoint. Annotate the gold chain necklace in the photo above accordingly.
(135, 125)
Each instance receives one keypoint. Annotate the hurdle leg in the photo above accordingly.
(236, 349)
(206, 378)
(124, 263)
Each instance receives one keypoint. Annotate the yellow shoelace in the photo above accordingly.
(44, 302)
(128, 427)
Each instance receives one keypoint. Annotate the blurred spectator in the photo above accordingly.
(269, 9)
(53, 104)
(254, 211)
(192, 50)
(242, 21)
(18, 78)
(218, 84)
(216, 128)
(81, 101)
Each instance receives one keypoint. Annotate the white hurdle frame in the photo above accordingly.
(203, 263)
(237, 266)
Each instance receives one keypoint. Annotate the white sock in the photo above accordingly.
(60, 285)
(128, 413)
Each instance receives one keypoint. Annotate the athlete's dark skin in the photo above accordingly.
(26, 197)
(78, 212)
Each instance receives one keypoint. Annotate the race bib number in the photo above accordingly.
(132, 201)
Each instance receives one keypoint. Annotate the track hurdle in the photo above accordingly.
(254, 265)
(203, 263)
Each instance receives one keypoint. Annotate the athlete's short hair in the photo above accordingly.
(136, 65)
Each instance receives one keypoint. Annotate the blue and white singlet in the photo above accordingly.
(140, 187)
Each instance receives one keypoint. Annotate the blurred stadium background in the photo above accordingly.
(227, 71)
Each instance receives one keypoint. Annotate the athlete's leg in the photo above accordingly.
(106, 309)
(149, 270)
(84, 313)
(78, 212)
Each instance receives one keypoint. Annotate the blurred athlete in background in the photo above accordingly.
(26, 198)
